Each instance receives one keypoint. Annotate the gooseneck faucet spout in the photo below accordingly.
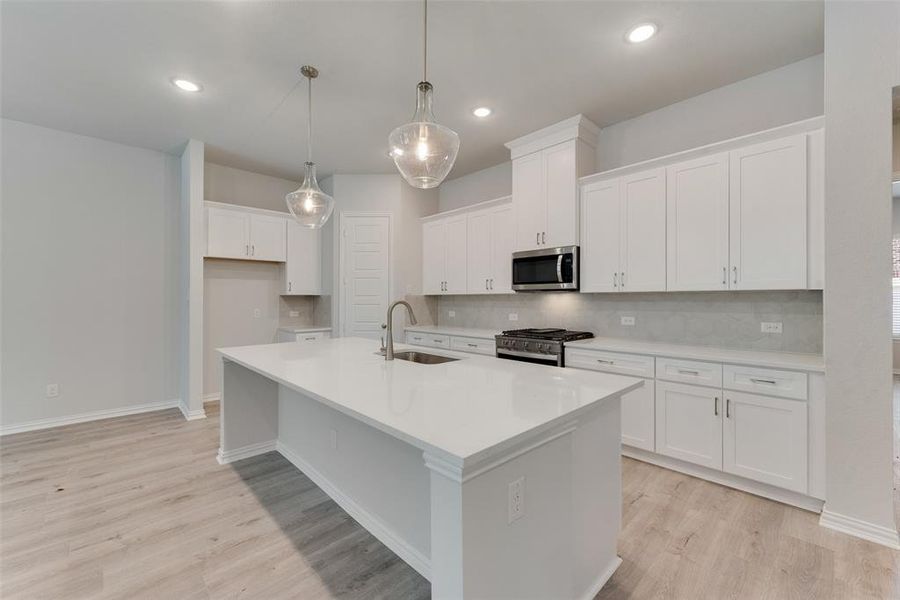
(389, 343)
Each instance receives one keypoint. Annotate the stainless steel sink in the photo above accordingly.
(422, 357)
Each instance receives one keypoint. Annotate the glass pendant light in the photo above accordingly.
(424, 151)
(310, 206)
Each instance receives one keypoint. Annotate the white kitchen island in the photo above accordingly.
(492, 478)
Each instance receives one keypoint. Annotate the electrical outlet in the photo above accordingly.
(629, 321)
(52, 390)
(766, 327)
(294, 313)
(513, 316)
(451, 313)
(257, 313)
(516, 500)
(334, 439)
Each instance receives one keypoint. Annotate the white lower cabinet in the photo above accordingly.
(766, 439)
(689, 423)
(637, 417)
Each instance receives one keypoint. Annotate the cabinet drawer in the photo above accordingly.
(635, 365)
(433, 340)
(689, 371)
(772, 382)
(317, 336)
(475, 345)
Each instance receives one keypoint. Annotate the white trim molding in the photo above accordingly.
(95, 415)
(211, 398)
(886, 536)
(230, 456)
(370, 522)
(602, 579)
(191, 415)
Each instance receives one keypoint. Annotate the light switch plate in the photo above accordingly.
(513, 316)
(52, 390)
(516, 509)
(451, 313)
(257, 313)
(628, 321)
(294, 313)
(767, 327)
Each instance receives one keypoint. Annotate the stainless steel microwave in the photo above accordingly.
(545, 269)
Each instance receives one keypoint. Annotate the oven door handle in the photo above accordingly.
(559, 261)
(546, 357)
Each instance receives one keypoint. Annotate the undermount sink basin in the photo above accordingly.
(422, 357)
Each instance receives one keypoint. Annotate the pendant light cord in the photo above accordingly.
(425, 52)
(309, 121)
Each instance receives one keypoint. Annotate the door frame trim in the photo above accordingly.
(343, 216)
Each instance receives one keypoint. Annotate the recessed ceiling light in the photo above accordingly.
(187, 86)
(482, 112)
(641, 33)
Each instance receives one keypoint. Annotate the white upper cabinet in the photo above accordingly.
(302, 267)
(227, 233)
(546, 166)
(748, 218)
(267, 237)
(643, 253)
(245, 233)
(444, 255)
(600, 236)
(768, 214)
(490, 243)
(697, 224)
(623, 246)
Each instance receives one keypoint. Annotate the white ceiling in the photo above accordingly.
(103, 69)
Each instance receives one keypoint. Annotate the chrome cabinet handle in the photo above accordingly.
(716, 406)
(472, 345)
(309, 339)
(438, 341)
(543, 237)
(769, 381)
(289, 286)
(735, 274)
(252, 249)
(724, 275)
(615, 280)
(605, 361)
(622, 279)
(728, 408)
(485, 284)
(247, 250)
(537, 238)
(688, 372)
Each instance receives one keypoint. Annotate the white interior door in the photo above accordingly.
(365, 262)
(600, 234)
(267, 237)
(643, 254)
(697, 224)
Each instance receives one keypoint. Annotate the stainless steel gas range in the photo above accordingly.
(541, 346)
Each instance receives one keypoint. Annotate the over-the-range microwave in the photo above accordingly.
(545, 269)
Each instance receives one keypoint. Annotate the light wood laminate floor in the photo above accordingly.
(137, 507)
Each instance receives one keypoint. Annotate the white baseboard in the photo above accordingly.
(95, 415)
(601, 580)
(727, 479)
(191, 415)
(370, 522)
(231, 456)
(210, 398)
(886, 536)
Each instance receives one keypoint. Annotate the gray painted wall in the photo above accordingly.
(90, 275)
(862, 46)
(722, 319)
(790, 93)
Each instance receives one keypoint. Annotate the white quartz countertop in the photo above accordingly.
(461, 331)
(776, 360)
(463, 411)
(301, 329)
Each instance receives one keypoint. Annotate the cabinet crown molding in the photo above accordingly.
(578, 127)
